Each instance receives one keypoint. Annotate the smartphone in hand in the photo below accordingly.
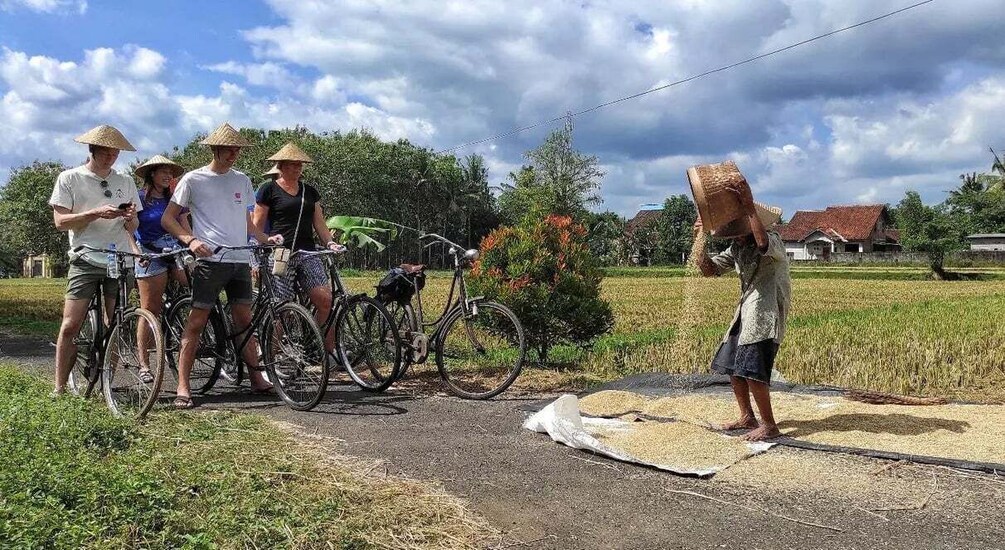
(125, 205)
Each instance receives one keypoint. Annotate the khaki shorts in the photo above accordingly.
(84, 278)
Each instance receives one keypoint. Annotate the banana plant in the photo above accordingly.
(361, 230)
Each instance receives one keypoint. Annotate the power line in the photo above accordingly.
(688, 79)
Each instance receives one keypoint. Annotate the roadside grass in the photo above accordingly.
(75, 477)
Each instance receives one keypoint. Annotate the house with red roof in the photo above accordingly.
(816, 234)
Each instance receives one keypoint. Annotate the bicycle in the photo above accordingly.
(110, 355)
(479, 344)
(291, 347)
(370, 355)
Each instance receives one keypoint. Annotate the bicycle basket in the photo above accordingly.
(398, 286)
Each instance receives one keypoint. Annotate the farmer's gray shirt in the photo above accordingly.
(764, 286)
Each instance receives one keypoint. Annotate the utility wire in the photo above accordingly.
(688, 79)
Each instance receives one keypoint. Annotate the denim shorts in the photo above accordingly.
(158, 266)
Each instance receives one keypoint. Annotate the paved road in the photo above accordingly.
(543, 495)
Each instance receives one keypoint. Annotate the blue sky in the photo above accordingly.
(907, 103)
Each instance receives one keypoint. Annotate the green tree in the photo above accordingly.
(358, 174)
(675, 230)
(605, 235)
(559, 180)
(26, 216)
(930, 230)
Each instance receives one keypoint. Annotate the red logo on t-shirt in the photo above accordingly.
(237, 196)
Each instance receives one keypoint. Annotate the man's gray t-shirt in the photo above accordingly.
(219, 205)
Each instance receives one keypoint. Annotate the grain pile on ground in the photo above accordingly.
(612, 403)
(679, 444)
(868, 483)
(968, 432)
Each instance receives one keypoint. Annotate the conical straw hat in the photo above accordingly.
(290, 151)
(226, 136)
(769, 215)
(105, 136)
(159, 160)
(274, 171)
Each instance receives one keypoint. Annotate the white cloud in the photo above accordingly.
(907, 102)
(256, 74)
(46, 102)
(46, 6)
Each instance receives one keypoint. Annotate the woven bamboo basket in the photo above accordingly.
(717, 206)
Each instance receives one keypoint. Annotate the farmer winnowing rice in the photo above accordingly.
(747, 353)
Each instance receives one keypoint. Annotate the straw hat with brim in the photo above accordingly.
(226, 136)
(769, 215)
(156, 162)
(105, 136)
(290, 151)
(274, 171)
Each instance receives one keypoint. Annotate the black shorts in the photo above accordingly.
(209, 278)
(753, 361)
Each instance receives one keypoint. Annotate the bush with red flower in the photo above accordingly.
(543, 270)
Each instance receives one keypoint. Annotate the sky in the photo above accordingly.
(910, 102)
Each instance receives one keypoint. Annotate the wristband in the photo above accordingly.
(189, 243)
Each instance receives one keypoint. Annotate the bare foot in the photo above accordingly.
(262, 388)
(762, 433)
(744, 423)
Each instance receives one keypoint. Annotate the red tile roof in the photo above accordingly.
(642, 219)
(852, 223)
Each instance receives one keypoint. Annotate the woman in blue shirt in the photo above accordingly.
(152, 278)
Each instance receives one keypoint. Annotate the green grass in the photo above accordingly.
(75, 477)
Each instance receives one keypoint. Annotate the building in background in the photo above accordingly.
(816, 234)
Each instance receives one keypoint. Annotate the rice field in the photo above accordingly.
(905, 336)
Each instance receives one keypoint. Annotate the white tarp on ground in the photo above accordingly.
(561, 420)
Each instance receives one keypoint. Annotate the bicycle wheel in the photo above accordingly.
(86, 361)
(480, 355)
(210, 357)
(295, 357)
(407, 323)
(368, 344)
(125, 391)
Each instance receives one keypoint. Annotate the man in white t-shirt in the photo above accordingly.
(98, 206)
(218, 198)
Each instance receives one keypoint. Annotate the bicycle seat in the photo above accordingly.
(413, 268)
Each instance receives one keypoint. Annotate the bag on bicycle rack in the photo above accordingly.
(399, 286)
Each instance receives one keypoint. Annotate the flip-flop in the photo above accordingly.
(183, 402)
(271, 390)
(146, 376)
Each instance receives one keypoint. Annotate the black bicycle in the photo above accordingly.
(366, 350)
(125, 354)
(290, 346)
(479, 344)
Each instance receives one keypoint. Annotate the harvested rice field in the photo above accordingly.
(967, 432)
(909, 337)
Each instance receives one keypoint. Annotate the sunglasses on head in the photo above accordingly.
(104, 185)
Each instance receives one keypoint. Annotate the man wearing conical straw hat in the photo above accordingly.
(97, 206)
(218, 198)
(747, 352)
(292, 208)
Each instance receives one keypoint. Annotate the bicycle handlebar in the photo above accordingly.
(458, 249)
(117, 252)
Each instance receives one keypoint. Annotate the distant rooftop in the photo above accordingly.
(987, 236)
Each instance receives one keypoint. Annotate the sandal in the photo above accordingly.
(146, 376)
(271, 390)
(183, 402)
